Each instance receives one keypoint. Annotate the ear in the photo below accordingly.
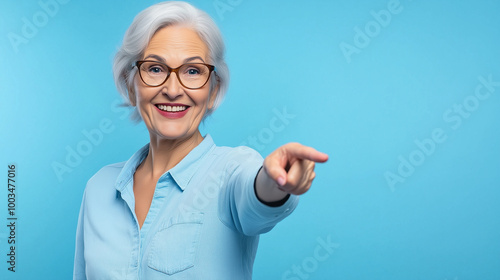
(131, 94)
(213, 95)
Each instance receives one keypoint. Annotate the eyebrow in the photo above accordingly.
(161, 59)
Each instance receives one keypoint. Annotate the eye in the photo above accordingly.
(193, 71)
(155, 69)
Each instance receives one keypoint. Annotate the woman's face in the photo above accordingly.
(171, 111)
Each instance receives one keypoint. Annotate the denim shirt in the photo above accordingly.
(203, 223)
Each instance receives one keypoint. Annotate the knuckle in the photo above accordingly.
(311, 165)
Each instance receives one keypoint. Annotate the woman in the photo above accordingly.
(181, 207)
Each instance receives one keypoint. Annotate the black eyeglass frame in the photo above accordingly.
(138, 64)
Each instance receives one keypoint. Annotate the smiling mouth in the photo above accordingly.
(173, 109)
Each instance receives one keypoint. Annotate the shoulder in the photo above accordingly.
(240, 153)
(106, 176)
(237, 157)
(234, 161)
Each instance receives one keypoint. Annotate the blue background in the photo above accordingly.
(367, 109)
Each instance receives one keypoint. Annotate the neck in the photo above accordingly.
(166, 153)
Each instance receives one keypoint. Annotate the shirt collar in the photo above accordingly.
(181, 173)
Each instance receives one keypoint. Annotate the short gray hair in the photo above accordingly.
(142, 29)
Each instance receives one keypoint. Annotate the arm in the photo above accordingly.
(287, 170)
(79, 262)
(248, 200)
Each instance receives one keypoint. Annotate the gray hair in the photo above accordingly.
(142, 29)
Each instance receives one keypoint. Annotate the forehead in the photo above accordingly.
(175, 44)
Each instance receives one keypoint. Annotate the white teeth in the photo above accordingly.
(171, 108)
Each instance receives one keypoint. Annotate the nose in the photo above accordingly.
(172, 87)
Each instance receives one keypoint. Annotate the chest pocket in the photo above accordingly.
(174, 245)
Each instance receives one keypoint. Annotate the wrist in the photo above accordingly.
(267, 191)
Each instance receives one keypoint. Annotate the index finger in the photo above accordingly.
(304, 152)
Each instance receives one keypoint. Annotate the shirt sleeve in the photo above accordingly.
(239, 207)
(79, 263)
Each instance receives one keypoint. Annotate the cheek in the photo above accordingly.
(142, 93)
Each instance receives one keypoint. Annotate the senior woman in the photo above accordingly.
(182, 207)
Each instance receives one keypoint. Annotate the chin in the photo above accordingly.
(173, 133)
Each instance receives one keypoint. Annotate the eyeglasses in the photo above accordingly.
(190, 75)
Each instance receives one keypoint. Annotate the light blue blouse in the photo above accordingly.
(203, 223)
